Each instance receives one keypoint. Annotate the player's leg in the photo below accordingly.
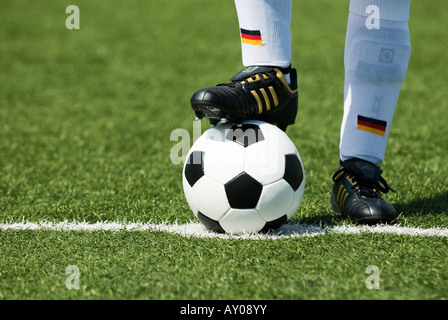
(265, 28)
(267, 88)
(377, 53)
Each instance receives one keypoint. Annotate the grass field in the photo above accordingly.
(85, 123)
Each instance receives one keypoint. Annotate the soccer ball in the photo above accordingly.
(243, 178)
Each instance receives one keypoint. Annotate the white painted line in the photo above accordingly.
(195, 229)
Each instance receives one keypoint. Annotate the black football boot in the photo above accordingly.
(255, 93)
(356, 193)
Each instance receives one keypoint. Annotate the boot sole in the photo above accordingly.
(282, 118)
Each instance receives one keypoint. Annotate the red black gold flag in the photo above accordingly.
(251, 37)
(372, 125)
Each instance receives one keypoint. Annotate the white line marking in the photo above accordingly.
(195, 229)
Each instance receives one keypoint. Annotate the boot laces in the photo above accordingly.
(365, 188)
(254, 77)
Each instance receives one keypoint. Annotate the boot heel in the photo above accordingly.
(286, 116)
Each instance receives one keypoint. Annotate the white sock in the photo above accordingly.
(377, 53)
(265, 27)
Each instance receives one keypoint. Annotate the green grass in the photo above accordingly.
(85, 123)
(155, 265)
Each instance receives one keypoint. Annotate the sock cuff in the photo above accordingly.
(393, 10)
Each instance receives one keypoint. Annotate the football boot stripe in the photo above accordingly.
(274, 96)
(257, 97)
(338, 197)
(266, 99)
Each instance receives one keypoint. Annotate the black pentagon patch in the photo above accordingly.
(293, 171)
(246, 134)
(243, 191)
(274, 224)
(194, 168)
(210, 223)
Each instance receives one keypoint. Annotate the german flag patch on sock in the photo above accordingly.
(251, 37)
(372, 125)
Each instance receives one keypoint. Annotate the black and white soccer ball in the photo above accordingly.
(243, 178)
